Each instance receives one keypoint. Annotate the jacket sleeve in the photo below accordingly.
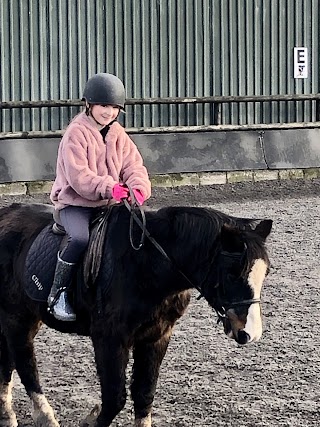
(134, 173)
(82, 179)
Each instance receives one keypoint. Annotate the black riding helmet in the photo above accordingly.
(104, 89)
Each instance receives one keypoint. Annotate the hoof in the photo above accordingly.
(90, 420)
(42, 414)
(7, 416)
(8, 419)
(143, 422)
(44, 420)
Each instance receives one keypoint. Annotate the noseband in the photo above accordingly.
(221, 305)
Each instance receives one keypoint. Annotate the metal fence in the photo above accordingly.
(161, 49)
(218, 105)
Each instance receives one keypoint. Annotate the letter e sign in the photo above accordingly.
(300, 61)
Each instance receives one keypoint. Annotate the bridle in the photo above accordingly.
(221, 306)
(224, 306)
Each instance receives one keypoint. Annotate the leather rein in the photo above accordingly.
(222, 306)
(145, 233)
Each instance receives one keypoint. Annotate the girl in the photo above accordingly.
(96, 162)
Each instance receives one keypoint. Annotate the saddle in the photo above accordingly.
(42, 255)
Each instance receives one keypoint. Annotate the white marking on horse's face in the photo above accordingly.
(253, 326)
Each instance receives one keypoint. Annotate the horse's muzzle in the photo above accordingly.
(240, 336)
(243, 337)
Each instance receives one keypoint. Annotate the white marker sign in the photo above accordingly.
(300, 61)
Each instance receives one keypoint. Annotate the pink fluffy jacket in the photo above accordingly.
(88, 167)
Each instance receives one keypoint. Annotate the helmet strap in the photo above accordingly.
(87, 109)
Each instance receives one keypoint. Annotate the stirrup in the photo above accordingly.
(54, 299)
(62, 310)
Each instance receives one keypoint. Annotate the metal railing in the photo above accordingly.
(217, 101)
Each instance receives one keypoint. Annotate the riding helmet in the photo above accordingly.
(104, 89)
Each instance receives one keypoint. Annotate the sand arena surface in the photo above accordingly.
(206, 379)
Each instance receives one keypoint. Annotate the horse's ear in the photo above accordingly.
(263, 228)
(231, 240)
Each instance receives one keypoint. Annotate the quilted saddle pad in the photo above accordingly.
(41, 263)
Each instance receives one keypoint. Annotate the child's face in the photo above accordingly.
(104, 114)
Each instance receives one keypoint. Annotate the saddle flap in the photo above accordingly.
(42, 258)
(40, 264)
(93, 255)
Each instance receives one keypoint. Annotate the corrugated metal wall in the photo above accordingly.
(179, 48)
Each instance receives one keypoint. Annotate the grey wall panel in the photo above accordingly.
(35, 159)
(31, 160)
(203, 151)
(286, 149)
(160, 48)
(28, 160)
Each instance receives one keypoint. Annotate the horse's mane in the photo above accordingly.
(195, 228)
(201, 227)
(202, 221)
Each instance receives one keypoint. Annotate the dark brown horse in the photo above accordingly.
(134, 301)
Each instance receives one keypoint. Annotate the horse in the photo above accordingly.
(142, 287)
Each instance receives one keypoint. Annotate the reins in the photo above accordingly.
(145, 233)
(222, 306)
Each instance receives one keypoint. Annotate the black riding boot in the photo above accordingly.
(58, 304)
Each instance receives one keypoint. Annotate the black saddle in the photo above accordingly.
(42, 256)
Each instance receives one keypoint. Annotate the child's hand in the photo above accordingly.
(139, 196)
(120, 192)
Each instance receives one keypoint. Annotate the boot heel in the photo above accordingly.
(62, 310)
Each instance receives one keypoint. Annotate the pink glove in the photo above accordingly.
(120, 192)
(139, 196)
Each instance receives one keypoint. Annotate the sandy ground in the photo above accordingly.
(206, 379)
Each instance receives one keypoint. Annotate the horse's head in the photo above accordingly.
(241, 266)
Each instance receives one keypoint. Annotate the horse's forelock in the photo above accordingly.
(255, 249)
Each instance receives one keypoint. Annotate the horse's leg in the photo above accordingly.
(20, 341)
(147, 361)
(111, 357)
(7, 415)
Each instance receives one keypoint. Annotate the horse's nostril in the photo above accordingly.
(243, 337)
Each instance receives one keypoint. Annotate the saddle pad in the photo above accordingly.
(41, 263)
